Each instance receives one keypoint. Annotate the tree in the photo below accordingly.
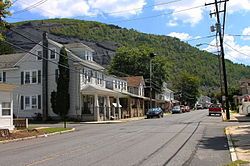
(4, 5)
(135, 61)
(62, 94)
(188, 86)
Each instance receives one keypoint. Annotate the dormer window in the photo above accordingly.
(52, 53)
(88, 56)
(39, 54)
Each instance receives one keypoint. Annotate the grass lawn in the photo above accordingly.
(32, 132)
(237, 163)
(53, 130)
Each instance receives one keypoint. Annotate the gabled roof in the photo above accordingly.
(134, 81)
(9, 60)
(78, 45)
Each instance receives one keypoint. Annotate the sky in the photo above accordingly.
(188, 20)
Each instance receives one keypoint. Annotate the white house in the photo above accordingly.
(89, 97)
(6, 106)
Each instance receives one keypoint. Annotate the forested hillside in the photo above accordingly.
(105, 39)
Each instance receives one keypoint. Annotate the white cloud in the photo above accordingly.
(69, 8)
(172, 23)
(190, 16)
(181, 36)
(233, 51)
(238, 6)
(194, 16)
(246, 31)
(124, 8)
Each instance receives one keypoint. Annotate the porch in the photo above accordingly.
(100, 104)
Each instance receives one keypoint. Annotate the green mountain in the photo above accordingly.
(105, 39)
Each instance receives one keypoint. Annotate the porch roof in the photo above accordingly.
(93, 89)
(4, 87)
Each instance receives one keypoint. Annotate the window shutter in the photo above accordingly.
(4, 76)
(22, 102)
(39, 76)
(56, 75)
(39, 101)
(22, 75)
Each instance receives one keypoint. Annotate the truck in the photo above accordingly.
(214, 109)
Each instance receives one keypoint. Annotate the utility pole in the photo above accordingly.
(221, 36)
(45, 76)
(151, 55)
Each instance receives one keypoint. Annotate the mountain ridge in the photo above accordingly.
(105, 39)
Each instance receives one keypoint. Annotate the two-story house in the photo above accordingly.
(89, 97)
(135, 100)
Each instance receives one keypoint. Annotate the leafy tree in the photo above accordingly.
(62, 94)
(4, 5)
(188, 86)
(135, 61)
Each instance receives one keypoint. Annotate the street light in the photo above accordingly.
(151, 55)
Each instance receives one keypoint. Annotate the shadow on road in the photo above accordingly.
(216, 143)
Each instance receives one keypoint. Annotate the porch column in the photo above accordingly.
(96, 110)
(105, 109)
(119, 109)
(109, 107)
(138, 107)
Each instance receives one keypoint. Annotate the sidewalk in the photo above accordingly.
(239, 138)
(114, 121)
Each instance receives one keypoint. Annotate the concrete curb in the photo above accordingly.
(230, 145)
(114, 121)
(38, 136)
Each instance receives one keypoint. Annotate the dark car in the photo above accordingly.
(154, 112)
(176, 109)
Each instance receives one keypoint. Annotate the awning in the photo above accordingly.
(93, 89)
(115, 105)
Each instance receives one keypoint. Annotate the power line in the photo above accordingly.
(198, 38)
(164, 14)
(55, 63)
(40, 2)
(149, 6)
(73, 60)
(236, 50)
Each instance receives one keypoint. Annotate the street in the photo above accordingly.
(192, 138)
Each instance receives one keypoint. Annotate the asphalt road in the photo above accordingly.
(181, 139)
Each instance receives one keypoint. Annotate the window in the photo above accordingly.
(6, 109)
(27, 102)
(52, 53)
(30, 102)
(27, 77)
(39, 54)
(34, 76)
(34, 102)
(2, 76)
(30, 77)
(115, 84)
(119, 85)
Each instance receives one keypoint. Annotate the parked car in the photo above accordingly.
(155, 112)
(187, 108)
(176, 109)
(199, 106)
(182, 108)
(214, 109)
